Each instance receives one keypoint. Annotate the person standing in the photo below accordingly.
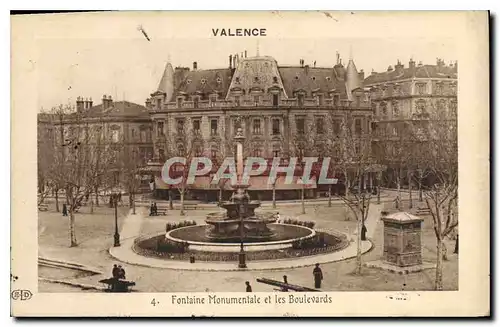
(318, 276)
(116, 271)
(65, 210)
(285, 280)
(121, 272)
(249, 288)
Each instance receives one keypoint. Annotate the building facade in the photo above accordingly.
(282, 110)
(404, 99)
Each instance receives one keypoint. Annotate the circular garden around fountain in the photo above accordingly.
(290, 239)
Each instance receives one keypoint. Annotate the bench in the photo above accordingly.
(43, 207)
(190, 206)
(161, 211)
(117, 285)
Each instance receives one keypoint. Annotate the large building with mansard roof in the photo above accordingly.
(278, 107)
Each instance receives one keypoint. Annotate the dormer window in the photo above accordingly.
(300, 100)
(256, 79)
(219, 80)
(203, 81)
(296, 76)
(256, 100)
(275, 79)
(313, 78)
(328, 78)
(188, 81)
(237, 80)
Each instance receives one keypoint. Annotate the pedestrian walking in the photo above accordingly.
(318, 276)
(152, 210)
(249, 288)
(155, 209)
(65, 210)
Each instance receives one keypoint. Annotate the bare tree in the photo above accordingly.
(438, 140)
(353, 146)
(185, 143)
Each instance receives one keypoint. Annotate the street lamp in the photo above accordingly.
(114, 196)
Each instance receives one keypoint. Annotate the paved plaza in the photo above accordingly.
(95, 238)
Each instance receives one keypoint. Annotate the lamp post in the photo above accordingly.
(117, 235)
(241, 197)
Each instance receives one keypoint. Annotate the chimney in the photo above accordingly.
(399, 67)
(411, 64)
(195, 65)
(90, 102)
(245, 53)
(390, 69)
(230, 61)
(79, 104)
(456, 64)
(306, 68)
(361, 74)
(148, 103)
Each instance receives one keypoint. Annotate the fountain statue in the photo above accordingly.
(239, 223)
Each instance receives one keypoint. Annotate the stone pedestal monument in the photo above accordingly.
(402, 235)
(402, 244)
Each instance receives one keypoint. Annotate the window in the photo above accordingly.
(336, 127)
(439, 88)
(276, 151)
(213, 99)
(115, 135)
(195, 101)
(256, 126)
(236, 125)
(179, 102)
(276, 126)
(383, 106)
(395, 108)
(256, 79)
(421, 107)
(196, 126)
(180, 150)
(300, 100)
(319, 125)
(237, 80)
(180, 126)
(441, 105)
(300, 125)
(213, 127)
(213, 152)
(421, 88)
(133, 133)
(357, 126)
(237, 100)
(374, 109)
(160, 129)
(158, 104)
(275, 79)
(256, 99)
(275, 100)
(161, 155)
(358, 101)
(320, 98)
(357, 149)
(257, 152)
(336, 100)
(198, 151)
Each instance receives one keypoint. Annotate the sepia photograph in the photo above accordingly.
(221, 158)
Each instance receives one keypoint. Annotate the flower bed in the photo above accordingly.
(159, 247)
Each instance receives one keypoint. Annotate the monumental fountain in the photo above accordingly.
(241, 229)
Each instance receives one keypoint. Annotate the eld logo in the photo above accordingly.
(22, 295)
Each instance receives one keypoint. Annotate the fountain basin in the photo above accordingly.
(281, 239)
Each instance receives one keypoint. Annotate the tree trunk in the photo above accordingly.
(91, 205)
(72, 235)
(57, 200)
(182, 203)
(409, 190)
(303, 203)
(130, 200)
(96, 197)
(456, 245)
(133, 203)
(330, 195)
(274, 196)
(439, 266)
(170, 201)
(358, 250)
(420, 193)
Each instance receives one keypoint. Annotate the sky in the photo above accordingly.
(92, 57)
